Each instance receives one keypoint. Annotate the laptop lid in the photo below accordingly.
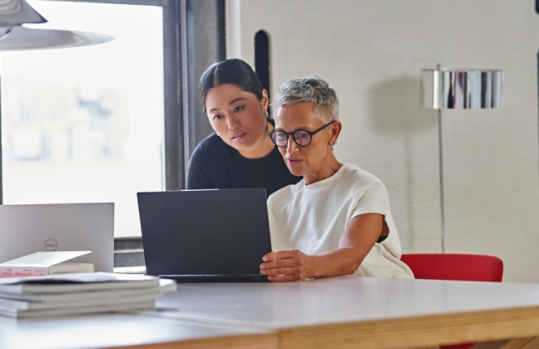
(26, 229)
(204, 232)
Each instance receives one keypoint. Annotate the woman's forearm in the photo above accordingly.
(343, 261)
(356, 243)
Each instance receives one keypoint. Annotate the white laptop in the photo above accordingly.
(26, 229)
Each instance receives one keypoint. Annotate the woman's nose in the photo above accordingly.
(233, 122)
(291, 146)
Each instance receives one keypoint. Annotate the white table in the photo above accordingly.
(124, 330)
(373, 313)
(327, 313)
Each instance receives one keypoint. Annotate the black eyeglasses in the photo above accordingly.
(302, 137)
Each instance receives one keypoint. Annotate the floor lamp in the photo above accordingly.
(444, 88)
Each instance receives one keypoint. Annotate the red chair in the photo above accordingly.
(457, 267)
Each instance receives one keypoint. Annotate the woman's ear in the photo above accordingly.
(335, 131)
(265, 100)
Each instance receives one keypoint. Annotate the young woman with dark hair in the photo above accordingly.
(239, 154)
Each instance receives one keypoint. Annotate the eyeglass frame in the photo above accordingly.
(288, 134)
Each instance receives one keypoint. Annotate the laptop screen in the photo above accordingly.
(198, 232)
(26, 229)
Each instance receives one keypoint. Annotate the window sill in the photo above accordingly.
(129, 255)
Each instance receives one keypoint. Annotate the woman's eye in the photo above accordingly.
(237, 109)
(301, 135)
(217, 117)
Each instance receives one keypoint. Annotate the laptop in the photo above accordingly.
(26, 229)
(205, 235)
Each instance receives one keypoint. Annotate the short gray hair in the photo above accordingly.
(310, 89)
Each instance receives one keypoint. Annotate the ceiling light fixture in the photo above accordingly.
(15, 37)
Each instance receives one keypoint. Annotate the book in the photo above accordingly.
(83, 310)
(45, 263)
(68, 283)
(22, 305)
(27, 301)
(76, 294)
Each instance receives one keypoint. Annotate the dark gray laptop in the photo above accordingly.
(205, 235)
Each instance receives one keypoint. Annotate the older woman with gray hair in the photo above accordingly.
(337, 220)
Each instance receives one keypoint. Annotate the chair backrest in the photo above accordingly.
(453, 266)
(458, 267)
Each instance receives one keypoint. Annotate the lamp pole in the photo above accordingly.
(440, 156)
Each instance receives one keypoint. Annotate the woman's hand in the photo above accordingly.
(292, 265)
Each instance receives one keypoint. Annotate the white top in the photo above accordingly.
(312, 218)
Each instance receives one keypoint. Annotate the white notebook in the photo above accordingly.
(27, 301)
(67, 283)
(45, 263)
(92, 309)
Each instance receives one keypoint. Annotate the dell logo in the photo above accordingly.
(51, 245)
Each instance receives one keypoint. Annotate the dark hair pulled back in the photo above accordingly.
(232, 71)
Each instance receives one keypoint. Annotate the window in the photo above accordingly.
(87, 124)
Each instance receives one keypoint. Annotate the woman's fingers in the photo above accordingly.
(283, 278)
(280, 271)
(279, 263)
(280, 255)
(282, 266)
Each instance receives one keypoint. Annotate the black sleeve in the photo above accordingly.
(198, 176)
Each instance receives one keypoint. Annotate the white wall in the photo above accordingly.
(372, 52)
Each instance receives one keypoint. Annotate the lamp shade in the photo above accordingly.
(462, 88)
(17, 12)
(21, 39)
(15, 37)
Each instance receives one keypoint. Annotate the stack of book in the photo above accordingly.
(75, 294)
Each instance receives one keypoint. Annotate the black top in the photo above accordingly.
(214, 164)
